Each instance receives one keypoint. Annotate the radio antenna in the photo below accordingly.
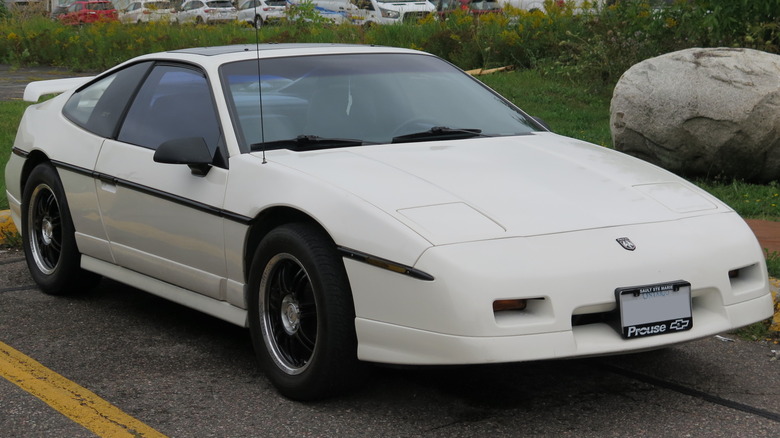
(259, 84)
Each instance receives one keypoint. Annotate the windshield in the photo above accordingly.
(372, 98)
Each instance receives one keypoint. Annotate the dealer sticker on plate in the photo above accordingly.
(655, 309)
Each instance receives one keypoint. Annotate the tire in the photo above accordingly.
(301, 314)
(258, 22)
(48, 236)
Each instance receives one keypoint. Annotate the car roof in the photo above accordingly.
(213, 57)
(238, 48)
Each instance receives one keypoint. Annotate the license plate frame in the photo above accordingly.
(654, 309)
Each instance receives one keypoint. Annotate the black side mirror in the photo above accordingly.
(192, 151)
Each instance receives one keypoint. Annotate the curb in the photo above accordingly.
(774, 287)
(7, 227)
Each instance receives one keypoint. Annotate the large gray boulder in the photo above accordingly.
(702, 112)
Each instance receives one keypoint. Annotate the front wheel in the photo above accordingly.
(49, 237)
(302, 317)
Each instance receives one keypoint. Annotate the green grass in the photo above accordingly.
(10, 115)
(753, 201)
(571, 109)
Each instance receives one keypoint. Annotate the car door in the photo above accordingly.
(163, 220)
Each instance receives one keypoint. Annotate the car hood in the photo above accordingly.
(543, 183)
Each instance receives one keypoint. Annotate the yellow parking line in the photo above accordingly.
(79, 404)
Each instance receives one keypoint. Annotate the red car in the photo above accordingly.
(82, 12)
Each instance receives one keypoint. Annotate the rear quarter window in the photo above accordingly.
(99, 106)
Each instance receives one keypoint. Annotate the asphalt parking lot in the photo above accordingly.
(189, 375)
(185, 374)
(13, 80)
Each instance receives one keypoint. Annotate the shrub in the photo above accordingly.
(581, 40)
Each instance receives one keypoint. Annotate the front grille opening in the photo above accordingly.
(611, 317)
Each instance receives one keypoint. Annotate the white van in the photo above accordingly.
(375, 11)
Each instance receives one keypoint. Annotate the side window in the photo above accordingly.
(99, 106)
(174, 102)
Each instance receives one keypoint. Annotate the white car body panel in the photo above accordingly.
(555, 205)
(350, 220)
(219, 309)
(79, 149)
(157, 236)
(387, 343)
(532, 217)
(436, 319)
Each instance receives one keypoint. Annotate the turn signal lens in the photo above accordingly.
(501, 305)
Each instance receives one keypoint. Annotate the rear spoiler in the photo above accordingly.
(35, 90)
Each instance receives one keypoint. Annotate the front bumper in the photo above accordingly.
(393, 344)
(564, 276)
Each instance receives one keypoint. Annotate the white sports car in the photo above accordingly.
(353, 204)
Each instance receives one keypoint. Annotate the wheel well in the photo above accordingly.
(267, 221)
(33, 159)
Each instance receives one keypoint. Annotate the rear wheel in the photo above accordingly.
(49, 237)
(258, 23)
(302, 317)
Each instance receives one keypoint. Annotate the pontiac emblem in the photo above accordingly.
(626, 243)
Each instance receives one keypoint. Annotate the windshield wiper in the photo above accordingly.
(307, 143)
(439, 133)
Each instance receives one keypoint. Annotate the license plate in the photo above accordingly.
(655, 309)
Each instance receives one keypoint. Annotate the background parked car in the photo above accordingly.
(198, 11)
(146, 11)
(83, 12)
(59, 9)
(259, 12)
(373, 11)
